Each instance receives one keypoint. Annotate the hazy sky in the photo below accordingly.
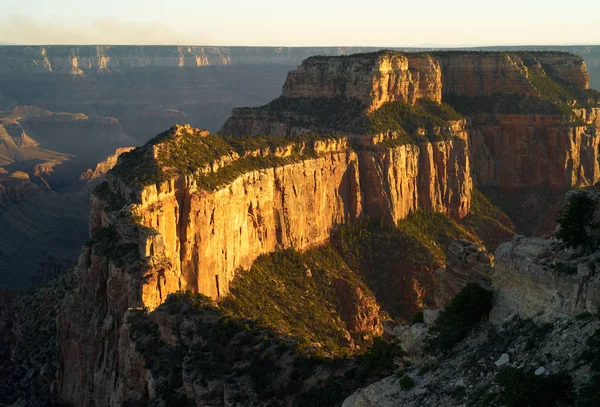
(301, 22)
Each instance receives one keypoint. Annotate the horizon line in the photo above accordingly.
(301, 46)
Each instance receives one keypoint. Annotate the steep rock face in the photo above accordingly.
(206, 236)
(512, 151)
(255, 122)
(360, 310)
(426, 176)
(191, 237)
(374, 79)
(16, 186)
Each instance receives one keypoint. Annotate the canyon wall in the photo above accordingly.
(188, 237)
(542, 279)
(523, 150)
(424, 176)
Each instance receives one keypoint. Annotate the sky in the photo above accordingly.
(390, 23)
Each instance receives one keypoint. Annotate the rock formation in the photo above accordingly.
(99, 171)
(373, 79)
(191, 211)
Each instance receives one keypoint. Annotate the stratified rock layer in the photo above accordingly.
(515, 151)
(374, 79)
(541, 278)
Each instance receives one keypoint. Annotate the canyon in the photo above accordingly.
(263, 262)
(191, 211)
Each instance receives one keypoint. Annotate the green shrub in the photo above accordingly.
(406, 382)
(418, 317)
(574, 218)
(472, 304)
(522, 388)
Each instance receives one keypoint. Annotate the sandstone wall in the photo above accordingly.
(513, 151)
(426, 176)
(256, 122)
(202, 237)
(102, 59)
(205, 236)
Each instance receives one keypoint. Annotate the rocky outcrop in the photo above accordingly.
(256, 122)
(374, 79)
(360, 311)
(542, 279)
(201, 238)
(207, 236)
(468, 375)
(568, 67)
(190, 237)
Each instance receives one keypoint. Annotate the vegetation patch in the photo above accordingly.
(406, 382)
(503, 103)
(420, 122)
(470, 306)
(379, 361)
(426, 115)
(435, 231)
(258, 365)
(187, 151)
(108, 242)
(575, 218)
(295, 294)
(522, 388)
(114, 201)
